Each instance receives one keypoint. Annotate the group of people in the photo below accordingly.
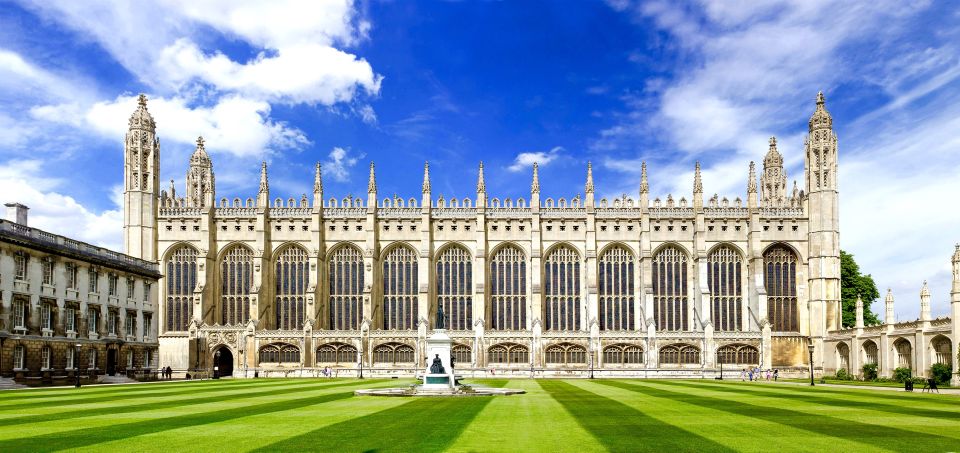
(756, 374)
(166, 373)
(328, 372)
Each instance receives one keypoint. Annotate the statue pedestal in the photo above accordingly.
(438, 353)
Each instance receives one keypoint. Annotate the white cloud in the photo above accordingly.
(25, 181)
(339, 163)
(541, 158)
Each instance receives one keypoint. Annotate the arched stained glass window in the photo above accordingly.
(508, 354)
(181, 276)
(508, 289)
(738, 354)
(293, 278)
(726, 296)
(566, 354)
(455, 287)
(616, 289)
(622, 354)
(236, 278)
(400, 289)
(670, 300)
(780, 279)
(561, 283)
(345, 288)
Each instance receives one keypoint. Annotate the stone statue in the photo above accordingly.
(437, 367)
(440, 322)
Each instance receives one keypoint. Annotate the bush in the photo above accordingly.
(901, 374)
(870, 372)
(941, 372)
(843, 375)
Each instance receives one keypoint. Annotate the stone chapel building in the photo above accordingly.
(670, 286)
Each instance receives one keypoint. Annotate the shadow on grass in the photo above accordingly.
(818, 398)
(881, 437)
(425, 424)
(218, 395)
(88, 395)
(622, 428)
(96, 435)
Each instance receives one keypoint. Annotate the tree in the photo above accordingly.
(852, 283)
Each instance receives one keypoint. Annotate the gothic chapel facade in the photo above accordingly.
(670, 286)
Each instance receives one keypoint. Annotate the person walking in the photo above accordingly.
(743, 374)
(751, 374)
(768, 374)
(776, 374)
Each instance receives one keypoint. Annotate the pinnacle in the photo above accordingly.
(142, 100)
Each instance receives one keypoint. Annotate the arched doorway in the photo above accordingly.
(223, 360)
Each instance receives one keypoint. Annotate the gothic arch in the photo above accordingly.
(393, 245)
(902, 353)
(291, 273)
(342, 244)
(565, 354)
(235, 270)
(614, 244)
(672, 244)
(843, 356)
(563, 273)
(506, 275)
(725, 277)
(286, 245)
(399, 287)
(730, 245)
(230, 246)
(564, 244)
(508, 244)
(616, 287)
(344, 286)
(791, 247)
(679, 354)
(870, 353)
(180, 271)
(176, 246)
(454, 285)
(452, 244)
(941, 350)
(670, 273)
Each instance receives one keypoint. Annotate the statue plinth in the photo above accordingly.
(439, 372)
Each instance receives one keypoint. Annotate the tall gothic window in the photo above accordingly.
(670, 289)
(346, 288)
(780, 269)
(236, 277)
(293, 278)
(181, 280)
(455, 287)
(400, 289)
(508, 289)
(615, 278)
(726, 297)
(561, 277)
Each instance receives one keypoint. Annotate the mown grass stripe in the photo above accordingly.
(95, 435)
(425, 424)
(219, 395)
(815, 398)
(882, 437)
(66, 396)
(620, 427)
(936, 399)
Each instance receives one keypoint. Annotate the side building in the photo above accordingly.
(68, 308)
(633, 286)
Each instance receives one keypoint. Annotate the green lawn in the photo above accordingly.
(553, 416)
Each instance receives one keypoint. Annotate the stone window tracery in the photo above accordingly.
(780, 277)
(903, 353)
(279, 353)
(293, 278)
(400, 289)
(393, 354)
(508, 289)
(461, 354)
(726, 296)
(679, 354)
(337, 354)
(346, 288)
(236, 278)
(738, 354)
(941, 350)
(181, 280)
(508, 354)
(670, 300)
(616, 289)
(565, 354)
(455, 287)
(622, 354)
(870, 353)
(562, 289)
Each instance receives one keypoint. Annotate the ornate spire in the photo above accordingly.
(697, 179)
(644, 185)
(821, 118)
(200, 156)
(752, 183)
(372, 182)
(264, 184)
(924, 302)
(588, 188)
(425, 188)
(317, 180)
(773, 182)
(481, 183)
(535, 185)
(888, 301)
(925, 290)
(141, 118)
(859, 312)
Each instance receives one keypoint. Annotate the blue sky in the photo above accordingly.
(509, 83)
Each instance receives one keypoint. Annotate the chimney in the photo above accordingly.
(17, 213)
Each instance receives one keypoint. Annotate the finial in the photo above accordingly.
(752, 183)
(773, 142)
(481, 183)
(200, 142)
(142, 100)
(264, 185)
(889, 297)
(425, 188)
(925, 290)
(535, 185)
(317, 180)
(821, 118)
(372, 183)
(644, 185)
(820, 100)
(589, 186)
(697, 179)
